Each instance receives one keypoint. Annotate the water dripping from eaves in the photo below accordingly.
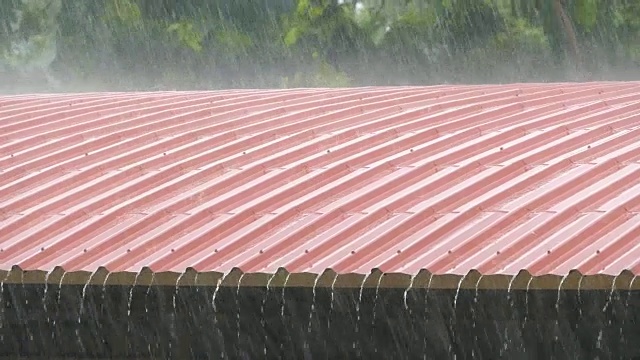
(263, 321)
(284, 287)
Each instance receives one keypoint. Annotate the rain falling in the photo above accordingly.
(320, 179)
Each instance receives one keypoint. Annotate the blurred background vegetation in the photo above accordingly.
(79, 45)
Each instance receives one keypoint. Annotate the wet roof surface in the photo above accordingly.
(500, 178)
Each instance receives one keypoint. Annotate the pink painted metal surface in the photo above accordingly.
(498, 178)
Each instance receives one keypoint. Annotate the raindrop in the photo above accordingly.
(28, 328)
(104, 287)
(611, 292)
(526, 302)
(359, 305)
(509, 297)
(81, 310)
(475, 301)
(560, 292)
(262, 315)
(130, 299)
(579, 295)
(172, 314)
(333, 284)
(406, 291)
(59, 293)
(214, 307)
(455, 299)
(312, 310)
(44, 295)
(630, 291)
(238, 307)
(375, 299)
(215, 294)
(564, 278)
(60, 287)
(626, 309)
(153, 277)
(84, 294)
(426, 350)
(284, 287)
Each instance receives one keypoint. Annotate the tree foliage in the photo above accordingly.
(126, 44)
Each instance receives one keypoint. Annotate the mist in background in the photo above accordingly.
(119, 45)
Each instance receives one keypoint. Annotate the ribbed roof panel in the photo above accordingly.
(497, 178)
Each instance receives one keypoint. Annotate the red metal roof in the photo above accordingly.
(498, 178)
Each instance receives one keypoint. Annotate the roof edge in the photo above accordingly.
(524, 280)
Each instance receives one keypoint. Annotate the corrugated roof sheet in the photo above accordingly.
(497, 178)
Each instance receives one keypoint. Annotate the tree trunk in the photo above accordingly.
(572, 48)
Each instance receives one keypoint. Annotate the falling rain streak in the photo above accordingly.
(263, 321)
(475, 301)
(238, 307)
(90, 178)
(312, 310)
(284, 287)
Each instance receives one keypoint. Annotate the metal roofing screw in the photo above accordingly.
(86, 154)
(501, 148)
(261, 251)
(41, 249)
(598, 251)
(449, 251)
(548, 251)
(410, 150)
(328, 151)
(85, 250)
(172, 250)
(399, 251)
(306, 251)
(353, 252)
(164, 154)
(128, 250)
